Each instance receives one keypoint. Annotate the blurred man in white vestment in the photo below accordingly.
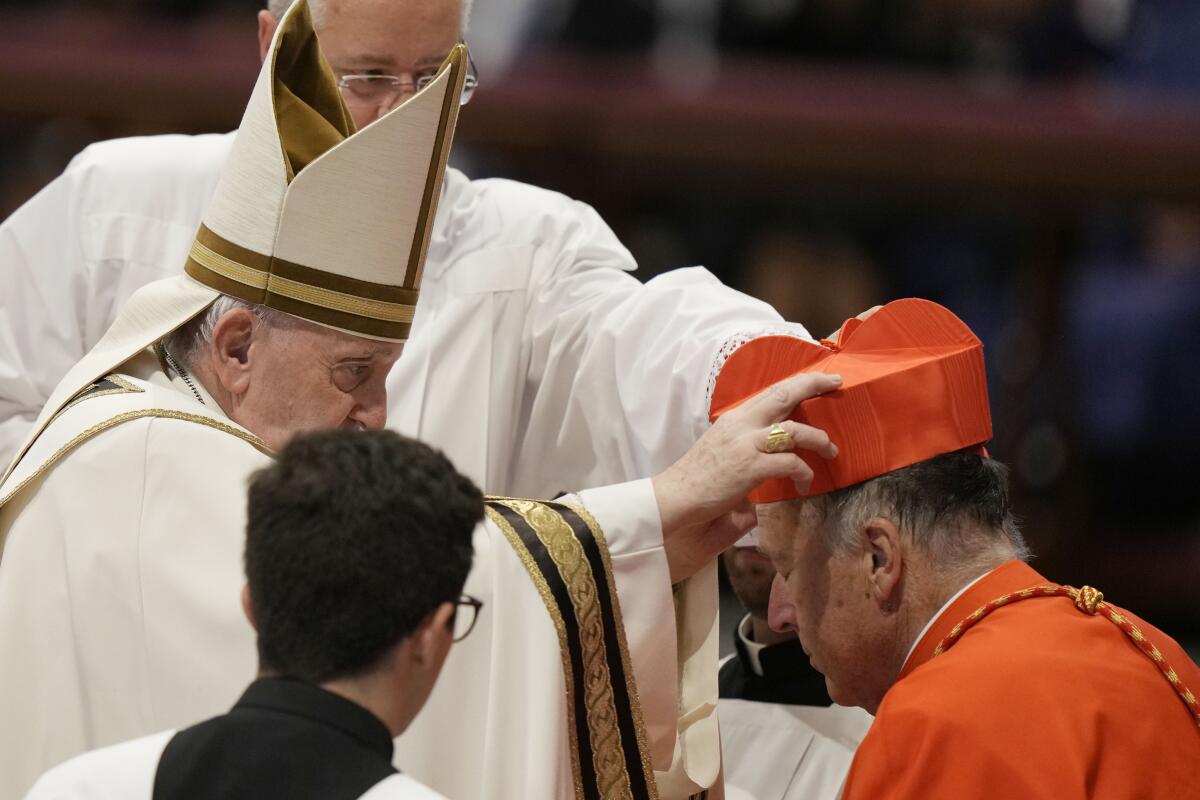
(531, 335)
(122, 515)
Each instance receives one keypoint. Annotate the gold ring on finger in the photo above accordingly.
(778, 440)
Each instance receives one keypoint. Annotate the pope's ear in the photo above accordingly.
(883, 560)
(230, 349)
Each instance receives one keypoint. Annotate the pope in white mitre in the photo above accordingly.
(122, 517)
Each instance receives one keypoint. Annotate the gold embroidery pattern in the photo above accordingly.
(314, 295)
(568, 555)
(126, 417)
(1090, 601)
(207, 257)
(626, 660)
(339, 301)
(560, 627)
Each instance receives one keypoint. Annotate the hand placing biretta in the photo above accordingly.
(913, 387)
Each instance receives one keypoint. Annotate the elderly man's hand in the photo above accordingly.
(702, 496)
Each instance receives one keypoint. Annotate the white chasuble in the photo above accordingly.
(120, 580)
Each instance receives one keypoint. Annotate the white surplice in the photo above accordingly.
(120, 614)
(126, 771)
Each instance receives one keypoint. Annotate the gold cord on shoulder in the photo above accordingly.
(1090, 601)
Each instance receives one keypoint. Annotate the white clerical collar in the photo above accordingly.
(752, 648)
(940, 611)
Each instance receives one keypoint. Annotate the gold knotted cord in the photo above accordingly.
(1090, 601)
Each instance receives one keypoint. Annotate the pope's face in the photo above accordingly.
(824, 599)
(305, 377)
(386, 37)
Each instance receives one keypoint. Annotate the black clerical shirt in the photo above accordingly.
(786, 677)
(283, 739)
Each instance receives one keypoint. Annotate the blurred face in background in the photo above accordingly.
(405, 38)
(750, 575)
(821, 280)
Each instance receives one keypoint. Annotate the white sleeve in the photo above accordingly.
(45, 280)
(619, 370)
(677, 685)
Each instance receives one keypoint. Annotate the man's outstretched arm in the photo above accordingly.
(619, 372)
(661, 533)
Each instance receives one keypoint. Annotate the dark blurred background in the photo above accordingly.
(1032, 164)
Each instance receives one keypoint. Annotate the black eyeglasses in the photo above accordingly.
(466, 612)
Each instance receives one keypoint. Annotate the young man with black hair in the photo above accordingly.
(357, 548)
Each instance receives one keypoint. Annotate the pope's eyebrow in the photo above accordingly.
(363, 355)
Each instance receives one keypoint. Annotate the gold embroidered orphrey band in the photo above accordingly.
(566, 556)
(163, 413)
(374, 309)
(83, 436)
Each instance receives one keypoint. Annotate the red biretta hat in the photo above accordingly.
(913, 387)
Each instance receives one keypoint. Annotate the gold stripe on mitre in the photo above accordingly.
(298, 255)
(456, 63)
(358, 306)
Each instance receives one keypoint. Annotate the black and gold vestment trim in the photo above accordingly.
(566, 555)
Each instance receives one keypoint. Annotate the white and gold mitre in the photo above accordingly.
(309, 217)
(314, 219)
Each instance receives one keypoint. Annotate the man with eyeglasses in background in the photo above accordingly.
(358, 545)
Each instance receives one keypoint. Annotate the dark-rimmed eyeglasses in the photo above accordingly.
(466, 612)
